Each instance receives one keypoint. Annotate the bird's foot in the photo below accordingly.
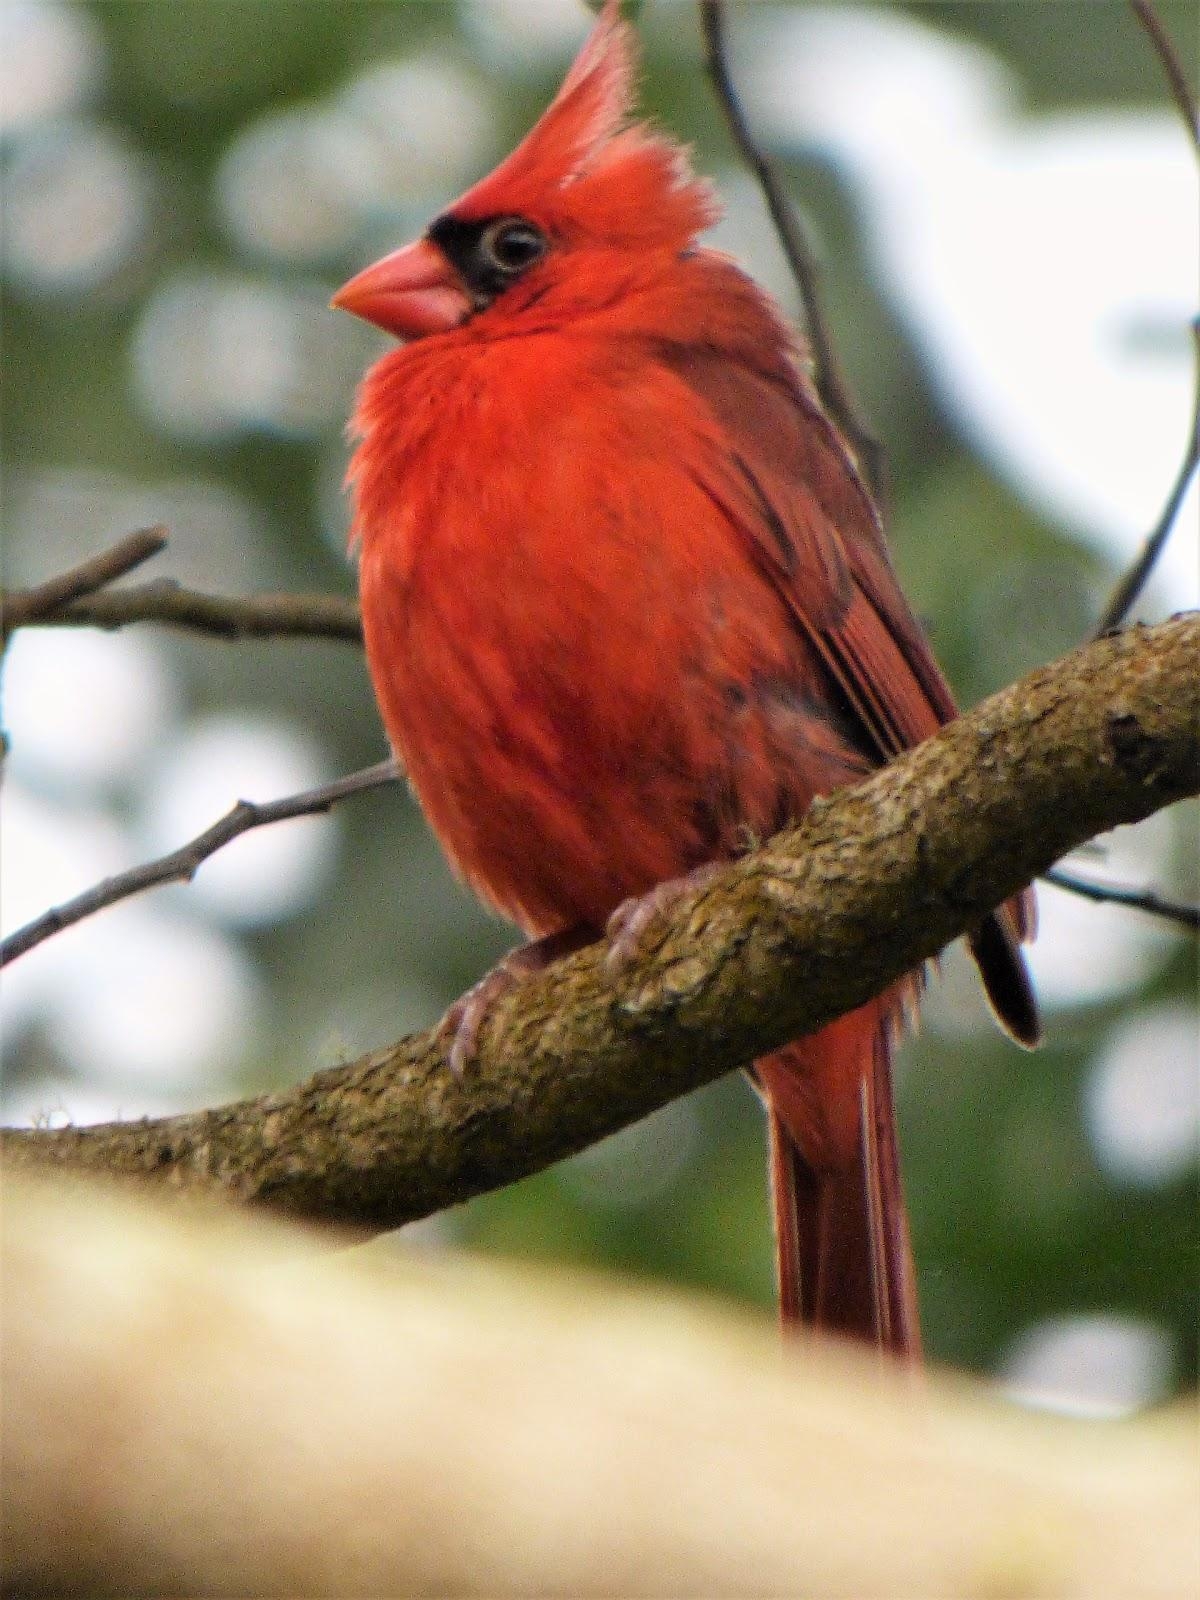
(465, 1018)
(627, 926)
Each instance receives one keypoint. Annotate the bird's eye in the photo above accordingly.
(512, 245)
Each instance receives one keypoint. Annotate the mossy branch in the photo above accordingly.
(874, 881)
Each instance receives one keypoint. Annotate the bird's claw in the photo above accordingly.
(627, 926)
(464, 1020)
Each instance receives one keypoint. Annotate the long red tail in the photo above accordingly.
(844, 1257)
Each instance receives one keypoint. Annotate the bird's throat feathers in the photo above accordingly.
(514, 374)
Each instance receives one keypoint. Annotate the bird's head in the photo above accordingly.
(585, 181)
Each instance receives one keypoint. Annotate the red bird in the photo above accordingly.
(628, 603)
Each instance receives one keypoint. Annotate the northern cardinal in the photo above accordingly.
(627, 603)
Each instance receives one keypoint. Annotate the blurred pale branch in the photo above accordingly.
(877, 879)
(1120, 895)
(181, 866)
(332, 1427)
(831, 384)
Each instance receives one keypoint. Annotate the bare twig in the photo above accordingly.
(1136, 899)
(261, 616)
(181, 865)
(877, 879)
(18, 607)
(1172, 67)
(1134, 581)
(831, 384)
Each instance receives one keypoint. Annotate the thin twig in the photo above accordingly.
(1136, 899)
(261, 616)
(831, 384)
(19, 607)
(1172, 67)
(181, 865)
(1134, 581)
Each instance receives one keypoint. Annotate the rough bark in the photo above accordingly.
(874, 880)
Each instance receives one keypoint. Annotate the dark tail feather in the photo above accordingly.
(996, 949)
(844, 1257)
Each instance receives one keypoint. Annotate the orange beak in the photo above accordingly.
(410, 293)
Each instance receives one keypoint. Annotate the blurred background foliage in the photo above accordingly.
(1003, 207)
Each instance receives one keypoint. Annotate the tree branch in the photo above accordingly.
(830, 382)
(1135, 899)
(260, 616)
(1134, 581)
(19, 607)
(192, 1409)
(876, 879)
(1181, 90)
(181, 866)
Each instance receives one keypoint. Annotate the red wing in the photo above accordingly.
(786, 480)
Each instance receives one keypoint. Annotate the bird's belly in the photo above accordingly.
(577, 731)
(554, 786)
